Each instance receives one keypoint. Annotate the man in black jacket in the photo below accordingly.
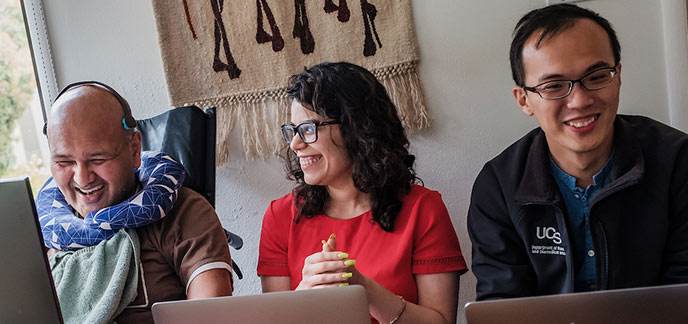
(590, 200)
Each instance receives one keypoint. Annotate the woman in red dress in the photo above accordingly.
(357, 215)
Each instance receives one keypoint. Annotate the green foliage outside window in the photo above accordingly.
(16, 77)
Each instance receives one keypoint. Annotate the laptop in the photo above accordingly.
(660, 304)
(336, 305)
(27, 292)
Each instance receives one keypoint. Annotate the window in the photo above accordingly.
(23, 149)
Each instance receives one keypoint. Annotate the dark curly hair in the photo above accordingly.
(372, 134)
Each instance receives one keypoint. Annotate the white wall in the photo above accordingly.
(465, 70)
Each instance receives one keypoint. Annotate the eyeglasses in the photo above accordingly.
(557, 89)
(308, 130)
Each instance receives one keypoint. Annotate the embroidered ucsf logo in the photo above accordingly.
(548, 233)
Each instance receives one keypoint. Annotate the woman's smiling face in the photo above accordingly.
(325, 162)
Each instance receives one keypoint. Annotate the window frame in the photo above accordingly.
(41, 55)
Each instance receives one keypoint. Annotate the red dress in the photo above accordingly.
(423, 242)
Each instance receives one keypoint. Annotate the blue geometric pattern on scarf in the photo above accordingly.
(161, 177)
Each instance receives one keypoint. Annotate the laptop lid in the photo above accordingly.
(661, 304)
(327, 305)
(27, 292)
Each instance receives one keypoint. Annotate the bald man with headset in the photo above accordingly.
(120, 218)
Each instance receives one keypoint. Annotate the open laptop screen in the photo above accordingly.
(661, 304)
(27, 292)
(336, 305)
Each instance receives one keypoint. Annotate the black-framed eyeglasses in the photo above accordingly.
(557, 89)
(308, 130)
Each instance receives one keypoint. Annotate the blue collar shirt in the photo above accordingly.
(577, 201)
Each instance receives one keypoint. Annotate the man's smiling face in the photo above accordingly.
(582, 122)
(92, 156)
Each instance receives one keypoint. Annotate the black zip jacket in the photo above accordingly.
(639, 221)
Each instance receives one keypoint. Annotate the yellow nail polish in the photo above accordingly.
(343, 255)
(347, 275)
(349, 263)
(323, 241)
(343, 284)
(332, 236)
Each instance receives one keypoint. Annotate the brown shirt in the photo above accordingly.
(187, 241)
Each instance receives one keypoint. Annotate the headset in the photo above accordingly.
(128, 122)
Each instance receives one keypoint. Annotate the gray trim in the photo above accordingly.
(44, 70)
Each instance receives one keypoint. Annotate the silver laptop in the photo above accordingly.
(661, 304)
(27, 292)
(337, 305)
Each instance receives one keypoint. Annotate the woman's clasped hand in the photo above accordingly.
(329, 268)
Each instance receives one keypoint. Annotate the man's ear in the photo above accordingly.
(135, 146)
(521, 97)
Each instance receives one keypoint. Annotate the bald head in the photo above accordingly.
(87, 106)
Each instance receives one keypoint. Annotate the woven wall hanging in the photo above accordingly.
(237, 56)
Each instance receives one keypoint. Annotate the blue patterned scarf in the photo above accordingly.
(161, 178)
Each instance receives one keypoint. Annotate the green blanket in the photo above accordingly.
(96, 283)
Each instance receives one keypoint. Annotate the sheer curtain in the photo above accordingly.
(675, 25)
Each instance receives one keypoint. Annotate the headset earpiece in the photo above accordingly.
(129, 122)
